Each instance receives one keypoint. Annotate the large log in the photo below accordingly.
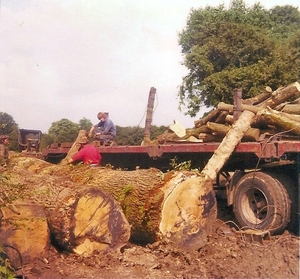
(24, 232)
(227, 146)
(212, 116)
(291, 108)
(74, 211)
(280, 120)
(67, 191)
(227, 107)
(170, 136)
(87, 220)
(259, 98)
(190, 209)
(251, 134)
(281, 95)
(74, 148)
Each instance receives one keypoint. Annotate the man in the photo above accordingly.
(87, 153)
(105, 130)
(4, 141)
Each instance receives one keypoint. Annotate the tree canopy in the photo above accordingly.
(9, 127)
(135, 135)
(238, 47)
(63, 130)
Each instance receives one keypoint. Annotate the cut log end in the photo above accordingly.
(24, 232)
(98, 223)
(188, 212)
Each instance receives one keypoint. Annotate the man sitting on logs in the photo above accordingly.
(105, 130)
(87, 153)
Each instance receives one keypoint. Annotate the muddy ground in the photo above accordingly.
(228, 254)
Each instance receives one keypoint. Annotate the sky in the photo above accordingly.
(74, 58)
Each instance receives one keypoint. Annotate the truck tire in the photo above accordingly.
(292, 188)
(261, 202)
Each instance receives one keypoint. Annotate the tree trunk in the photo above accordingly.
(222, 106)
(227, 146)
(212, 116)
(251, 134)
(74, 148)
(24, 232)
(208, 137)
(76, 206)
(81, 218)
(88, 219)
(190, 210)
(281, 95)
(280, 120)
(259, 98)
(291, 108)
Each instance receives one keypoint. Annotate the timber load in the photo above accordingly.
(276, 113)
(82, 209)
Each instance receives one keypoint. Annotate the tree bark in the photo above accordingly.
(291, 108)
(281, 95)
(212, 116)
(259, 98)
(226, 107)
(251, 134)
(81, 218)
(71, 195)
(227, 146)
(208, 137)
(280, 120)
(24, 231)
(74, 148)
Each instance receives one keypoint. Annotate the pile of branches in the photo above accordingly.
(276, 113)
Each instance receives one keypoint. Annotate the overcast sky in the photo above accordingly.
(73, 58)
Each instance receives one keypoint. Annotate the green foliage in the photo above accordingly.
(9, 127)
(135, 135)
(6, 270)
(180, 166)
(85, 124)
(13, 139)
(46, 140)
(63, 130)
(7, 123)
(247, 48)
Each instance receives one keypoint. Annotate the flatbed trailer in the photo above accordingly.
(247, 154)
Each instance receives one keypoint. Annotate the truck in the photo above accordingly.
(260, 179)
(29, 141)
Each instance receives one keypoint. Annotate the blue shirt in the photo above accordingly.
(106, 127)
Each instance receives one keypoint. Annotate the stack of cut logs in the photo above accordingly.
(276, 112)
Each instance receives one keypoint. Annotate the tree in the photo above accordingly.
(9, 127)
(63, 130)
(85, 124)
(247, 48)
(7, 123)
(46, 140)
(135, 135)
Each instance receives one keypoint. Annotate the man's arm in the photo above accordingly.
(76, 157)
(91, 132)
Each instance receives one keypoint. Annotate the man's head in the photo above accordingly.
(4, 139)
(102, 116)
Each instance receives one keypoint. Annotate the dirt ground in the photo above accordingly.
(228, 254)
